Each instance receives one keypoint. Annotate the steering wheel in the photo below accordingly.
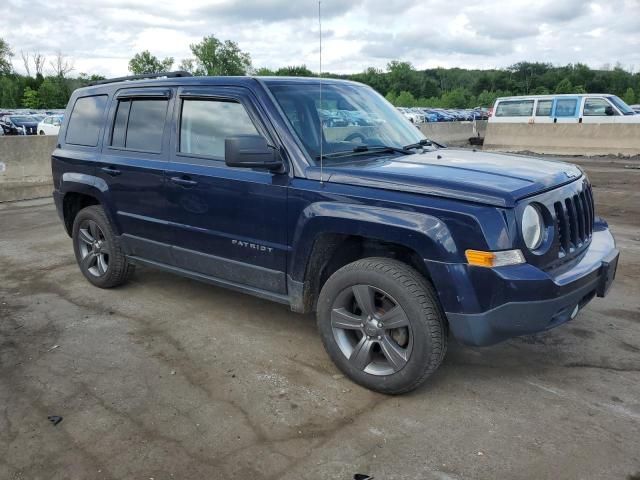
(352, 136)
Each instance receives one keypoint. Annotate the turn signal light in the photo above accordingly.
(480, 258)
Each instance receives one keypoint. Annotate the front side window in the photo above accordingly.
(566, 107)
(544, 108)
(349, 117)
(139, 124)
(205, 124)
(85, 122)
(596, 107)
(515, 108)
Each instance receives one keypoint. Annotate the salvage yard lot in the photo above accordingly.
(169, 378)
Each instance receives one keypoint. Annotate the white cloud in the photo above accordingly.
(101, 36)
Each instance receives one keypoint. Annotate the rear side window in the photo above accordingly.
(544, 108)
(515, 108)
(86, 121)
(566, 107)
(205, 124)
(139, 124)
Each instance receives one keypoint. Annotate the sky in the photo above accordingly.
(101, 36)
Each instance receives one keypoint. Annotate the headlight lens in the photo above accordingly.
(532, 227)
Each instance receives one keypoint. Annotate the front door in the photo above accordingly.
(227, 223)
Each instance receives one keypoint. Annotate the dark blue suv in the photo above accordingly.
(393, 240)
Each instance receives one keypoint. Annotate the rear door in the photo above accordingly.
(566, 109)
(132, 164)
(228, 223)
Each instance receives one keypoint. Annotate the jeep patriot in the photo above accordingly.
(394, 241)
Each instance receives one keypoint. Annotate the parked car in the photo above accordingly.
(50, 125)
(394, 242)
(567, 108)
(19, 124)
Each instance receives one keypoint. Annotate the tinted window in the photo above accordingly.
(544, 108)
(595, 107)
(515, 108)
(120, 124)
(566, 107)
(206, 124)
(86, 121)
(146, 124)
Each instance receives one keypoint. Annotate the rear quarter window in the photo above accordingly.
(514, 108)
(86, 121)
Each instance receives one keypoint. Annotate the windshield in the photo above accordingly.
(623, 107)
(22, 118)
(355, 119)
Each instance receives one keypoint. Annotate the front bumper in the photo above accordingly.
(530, 300)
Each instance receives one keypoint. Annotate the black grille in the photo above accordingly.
(574, 221)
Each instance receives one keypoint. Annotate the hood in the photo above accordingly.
(490, 178)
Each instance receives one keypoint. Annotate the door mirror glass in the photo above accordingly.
(250, 151)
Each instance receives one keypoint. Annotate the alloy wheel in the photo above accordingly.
(94, 248)
(372, 330)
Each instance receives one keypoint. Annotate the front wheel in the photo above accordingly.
(382, 325)
(98, 252)
(41, 132)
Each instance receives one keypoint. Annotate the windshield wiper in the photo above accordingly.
(362, 149)
(425, 142)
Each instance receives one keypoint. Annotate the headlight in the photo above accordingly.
(532, 227)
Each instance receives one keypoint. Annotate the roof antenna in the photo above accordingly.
(320, 85)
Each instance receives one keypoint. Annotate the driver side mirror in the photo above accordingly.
(251, 151)
(609, 111)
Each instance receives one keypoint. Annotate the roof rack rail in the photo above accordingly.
(144, 76)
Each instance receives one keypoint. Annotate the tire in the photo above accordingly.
(97, 249)
(41, 132)
(419, 342)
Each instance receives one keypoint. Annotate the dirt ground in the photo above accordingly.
(167, 378)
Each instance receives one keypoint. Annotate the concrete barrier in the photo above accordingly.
(25, 167)
(453, 133)
(588, 139)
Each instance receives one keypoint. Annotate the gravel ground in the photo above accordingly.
(169, 378)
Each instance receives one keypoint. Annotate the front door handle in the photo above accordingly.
(184, 181)
(113, 171)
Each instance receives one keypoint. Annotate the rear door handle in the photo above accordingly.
(113, 171)
(184, 181)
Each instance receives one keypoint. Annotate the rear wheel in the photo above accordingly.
(41, 132)
(98, 250)
(381, 323)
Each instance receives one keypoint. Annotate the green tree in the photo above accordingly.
(53, 93)
(405, 99)
(30, 98)
(629, 96)
(145, 63)
(294, 71)
(391, 97)
(264, 72)
(214, 57)
(564, 86)
(402, 77)
(457, 98)
(5, 58)
(10, 96)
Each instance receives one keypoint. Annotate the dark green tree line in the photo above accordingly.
(400, 82)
